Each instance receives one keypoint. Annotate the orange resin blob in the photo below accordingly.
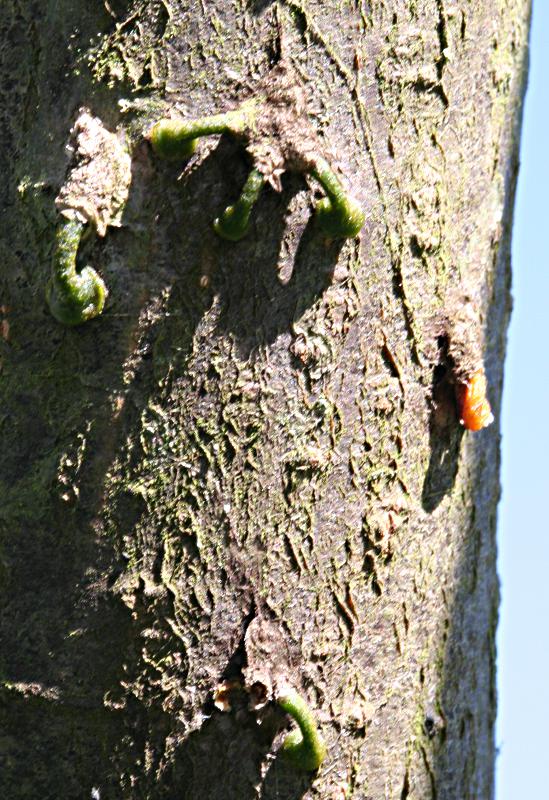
(473, 404)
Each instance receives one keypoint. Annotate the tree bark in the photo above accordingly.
(250, 468)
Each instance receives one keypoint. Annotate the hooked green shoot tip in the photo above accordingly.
(170, 140)
(339, 215)
(73, 297)
(233, 223)
(305, 747)
(177, 138)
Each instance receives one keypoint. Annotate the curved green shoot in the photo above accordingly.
(339, 215)
(177, 138)
(304, 747)
(233, 223)
(73, 297)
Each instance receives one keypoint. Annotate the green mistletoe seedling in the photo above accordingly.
(92, 197)
(275, 129)
(339, 215)
(177, 139)
(233, 223)
(304, 747)
(73, 297)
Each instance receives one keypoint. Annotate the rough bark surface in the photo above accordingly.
(257, 443)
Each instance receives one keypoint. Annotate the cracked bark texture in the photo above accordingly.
(256, 442)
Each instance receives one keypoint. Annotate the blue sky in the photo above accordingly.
(523, 635)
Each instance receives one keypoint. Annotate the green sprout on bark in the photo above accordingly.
(339, 215)
(73, 297)
(304, 747)
(233, 223)
(177, 139)
(92, 197)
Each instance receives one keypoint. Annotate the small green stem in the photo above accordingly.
(174, 139)
(73, 297)
(339, 215)
(233, 223)
(305, 747)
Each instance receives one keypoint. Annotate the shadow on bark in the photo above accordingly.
(258, 6)
(223, 759)
(256, 305)
(445, 435)
(458, 723)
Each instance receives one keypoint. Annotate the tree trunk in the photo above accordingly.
(249, 471)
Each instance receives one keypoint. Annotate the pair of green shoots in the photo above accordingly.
(339, 216)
